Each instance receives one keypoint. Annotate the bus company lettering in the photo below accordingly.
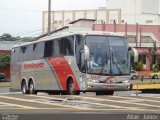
(33, 65)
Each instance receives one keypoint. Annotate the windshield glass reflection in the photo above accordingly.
(108, 55)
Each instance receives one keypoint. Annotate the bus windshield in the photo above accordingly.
(108, 55)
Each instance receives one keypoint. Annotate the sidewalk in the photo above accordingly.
(5, 84)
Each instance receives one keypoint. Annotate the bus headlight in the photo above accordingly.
(126, 81)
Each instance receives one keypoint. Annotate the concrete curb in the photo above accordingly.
(5, 84)
(146, 86)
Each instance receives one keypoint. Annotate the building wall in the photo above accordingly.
(146, 12)
(141, 11)
(63, 17)
(151, 6)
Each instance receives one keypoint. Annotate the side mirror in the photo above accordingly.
(86, 52)
(129, 48)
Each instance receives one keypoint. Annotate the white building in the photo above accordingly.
(141, 11)
(146, 12)
(63, 17)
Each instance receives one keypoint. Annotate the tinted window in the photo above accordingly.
(48, 49)
(22, 53)
(56, 51)
(15, 55)
(66, 46)
(38, 50)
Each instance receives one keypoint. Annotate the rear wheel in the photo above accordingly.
(31, 88)
(71, 88)
(24, 88)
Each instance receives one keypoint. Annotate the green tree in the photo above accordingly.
(152, 51)
(7, 37)
(138, 66)
(4, 61)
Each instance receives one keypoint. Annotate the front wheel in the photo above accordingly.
(134, 77)
(155, 77)
(71, 88)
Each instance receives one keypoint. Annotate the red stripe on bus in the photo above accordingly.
(63, 71)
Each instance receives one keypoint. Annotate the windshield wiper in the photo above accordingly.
(114, 62)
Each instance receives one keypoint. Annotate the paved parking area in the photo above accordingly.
(85, 103)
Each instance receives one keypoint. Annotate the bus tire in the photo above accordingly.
(155, 77)
(71, 88)
(24, 87)
(31, 88)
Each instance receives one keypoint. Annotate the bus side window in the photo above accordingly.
(38, 50)
(48, 49)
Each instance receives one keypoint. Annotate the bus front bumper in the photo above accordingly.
(105, 86)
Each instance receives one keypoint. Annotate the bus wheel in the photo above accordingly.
(71, 88)
(31, 88)
(155, 77)
(24, 88)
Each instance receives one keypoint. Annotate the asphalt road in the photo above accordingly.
(121, 102)
(123, 105)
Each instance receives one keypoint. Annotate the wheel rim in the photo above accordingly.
(71, 88)
(134, 77)
(155, 77)
(31, 88)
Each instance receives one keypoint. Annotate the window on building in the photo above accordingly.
(147, 39)
(142, 58)
(131, 39)
(60, 22)
(112, 21)
(149, 21)
(55, 22)
(153, 59)
(122, 21)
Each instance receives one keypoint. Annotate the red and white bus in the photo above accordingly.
(71, 63)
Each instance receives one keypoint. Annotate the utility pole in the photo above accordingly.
(49, 17)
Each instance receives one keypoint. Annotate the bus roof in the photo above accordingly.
(63, 34)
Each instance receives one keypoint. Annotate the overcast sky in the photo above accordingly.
(24, 17)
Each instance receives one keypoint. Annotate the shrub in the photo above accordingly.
(139, 66)
(155, 68)
(4, 61)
